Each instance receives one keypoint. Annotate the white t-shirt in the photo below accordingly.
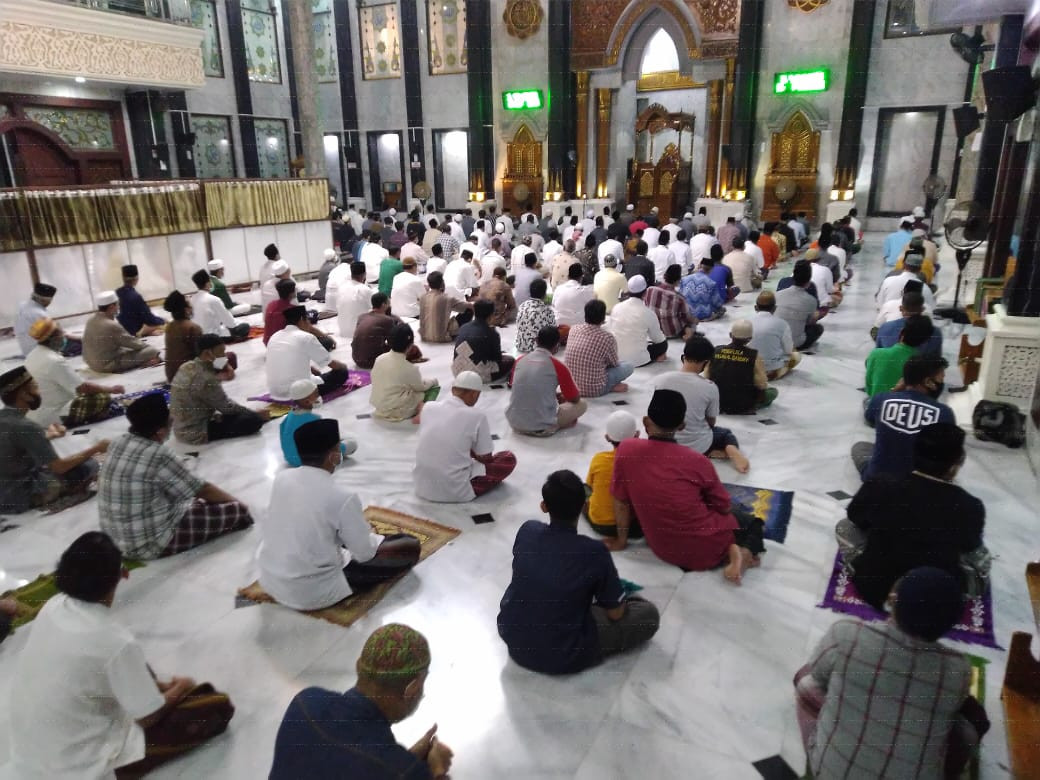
(702, 401)
(266, 272)
(824, 281)
(310, 519)
(892, 289)
(79, 685)
(352, 300)
(373, 255)
(661, 257)
(405, 293)
(753, 249)
(672, 229)
(516, 257)
(700, 246)
(651, 236)
(489, 262)
(631, 323)
(210, 314)
(890, 311)
(549, 252)
(289, 355)
(461, 275)
(443, 466)
(57, 382)
(338, 276)
(569, 301)
(610, 247)
(681, 250)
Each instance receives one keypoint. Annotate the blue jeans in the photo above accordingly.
(616, 374)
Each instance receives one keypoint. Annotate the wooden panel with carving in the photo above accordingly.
(523, 184)
(794, 156)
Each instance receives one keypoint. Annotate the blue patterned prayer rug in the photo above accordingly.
(772, 507)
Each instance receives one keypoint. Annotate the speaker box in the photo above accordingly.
(965, 120)
(1010, 92)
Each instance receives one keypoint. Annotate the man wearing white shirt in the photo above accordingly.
(892, 287)
(312, 517)
(589, 223)
(455, 228)
(373, 256)
(290, 353)
(552, 248)
(681, 250)
(413, 250)
(406, 290)
(338, 277)
(672, 228)
(651, 236)
(523, 278)
(609, 247)
(520, 251)
(607, 219)
(822, 278)
(752, 248)
(461, 274)
(632, 324)
(661, 256)
(492, 259)
(268, 291)
(798, 229)
(105, 710)
(701, 244)
(454, 459)
(480, 237)
(209, 312)
(569, 298)
(772, 337)
(353, 299)
(271, 253)
(892, 310)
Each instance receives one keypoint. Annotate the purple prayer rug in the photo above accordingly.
(355, 380)
(975, 626)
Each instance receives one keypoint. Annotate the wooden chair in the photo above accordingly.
(1021, 693)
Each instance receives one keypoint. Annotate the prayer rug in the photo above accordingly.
(278, 410)
(67, 502)
(118, 406)
(256, 308)
(356, 380)
(772, 507)
(255, 332)
(34, 595)
(326, 315)
(432, 536)
(975, 626)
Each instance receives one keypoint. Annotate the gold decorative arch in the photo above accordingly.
(795, 155)
(634, 15)
(523, 166)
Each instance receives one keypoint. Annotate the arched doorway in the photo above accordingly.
(522, 186)
(794, 157)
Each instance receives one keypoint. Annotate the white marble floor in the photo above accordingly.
(707, 697)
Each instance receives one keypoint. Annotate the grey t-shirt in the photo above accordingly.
(25, 453)
(702, 401)
(795, 306)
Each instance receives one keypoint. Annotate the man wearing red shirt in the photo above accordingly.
(274, 315)
(683, 509)
(770, 249)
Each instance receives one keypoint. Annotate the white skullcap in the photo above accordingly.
(590, 213)
(106, 298)
(918, 211)
(330, 253)
(214, 265)
(500, 228)
(468, 380)
(457, 218)
(687, 215)
(637, 284)
(301, 388)
(621, 425)
(630, 207)
(392, 212)
(655, 210)
(279, 268)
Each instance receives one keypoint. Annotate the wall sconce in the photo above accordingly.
(741, 194)
(834, 195)
(850, 194)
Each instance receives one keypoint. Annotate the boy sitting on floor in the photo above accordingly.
(599, 508)
(305, 397)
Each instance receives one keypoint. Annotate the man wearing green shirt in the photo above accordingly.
(216, 275)
(885, 364)
(388, 269)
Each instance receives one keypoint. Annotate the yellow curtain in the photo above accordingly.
(265, 202)
(14, 222)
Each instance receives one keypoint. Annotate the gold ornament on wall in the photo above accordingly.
(808, 6)
(523, 18)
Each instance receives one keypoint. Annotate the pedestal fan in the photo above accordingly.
(934, 188)
(966, 227)
(784, 191)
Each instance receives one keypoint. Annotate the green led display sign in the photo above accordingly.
(522, 99)
(801, 81)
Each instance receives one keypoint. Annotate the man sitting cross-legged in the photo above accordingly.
(398, 388)
(200, 408)
(682, 507)
(311, 519)
(455, 445)
(305, 396)
(291, 353)
(31, 473)
(599, 508)
(478, 346)
(886, 700)
(592, 355)
(700, 433)
(107, 347)
(149, 502)
(565, 609)
(739, 373)
(535, 407)
(772, 338)
(327, 734)
(87, 702)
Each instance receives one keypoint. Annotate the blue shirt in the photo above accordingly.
(722, 277)
(899, 415)
(889, 333)
(133, 311)
(894, 243)
(326, 735)
(702, 295)
(545, 617)
(290, 423)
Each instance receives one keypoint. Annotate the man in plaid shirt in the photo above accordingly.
(670, 306)
(149, 502)
(592, 355)
(885, 700)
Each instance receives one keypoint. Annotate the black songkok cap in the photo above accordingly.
(129, 271)
(316, 438)
(667, 409)
(45, 290)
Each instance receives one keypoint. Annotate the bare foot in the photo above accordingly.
(718, 455)
(416, 420)
(740, 462)
(620, 387)
(735, 568)
(661, 358)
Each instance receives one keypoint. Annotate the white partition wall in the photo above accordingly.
(14, 270)
(319, 238)
(64, 267)
(152, 258)
(187, 255)
(230, 246)
(292, 243)
(256, 238)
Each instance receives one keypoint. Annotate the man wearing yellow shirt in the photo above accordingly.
(599, 509)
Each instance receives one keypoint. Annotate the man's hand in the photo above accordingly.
(101, 446)
(422, 747)
(153, 362)
(55, 431)
(176, 689)
(265, 415)
(615, 544)
(439, 759)
(117, 389)
(336, 366)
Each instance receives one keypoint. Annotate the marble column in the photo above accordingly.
(857, 70)
(604, 99)
(582, 130)
(725, 177)
(711, 166)
(301, 23)
(348, 99)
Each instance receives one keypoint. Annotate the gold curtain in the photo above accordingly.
(265, 202)
(14, 223)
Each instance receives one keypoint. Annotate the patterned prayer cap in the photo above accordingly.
(42, 329)
(13, 379)
(394, 651)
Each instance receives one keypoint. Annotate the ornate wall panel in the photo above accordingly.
(204, 17)
(214, 156)
(262, 60)
(80, 128)
(64, 39)
(324, 31)
(272, 144)
(600, 28)
(446, 22)
(380, 42)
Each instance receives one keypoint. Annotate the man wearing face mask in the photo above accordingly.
(31, 473)
(200, 408)
(149, 502)
(311, 519)
(899, 415)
